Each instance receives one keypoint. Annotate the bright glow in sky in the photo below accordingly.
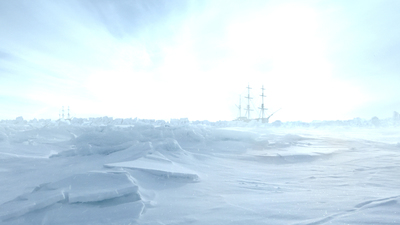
(317, 60)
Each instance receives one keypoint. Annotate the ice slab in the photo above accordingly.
(29, 202)
(80, 188)
(157, 164)
(97, 186)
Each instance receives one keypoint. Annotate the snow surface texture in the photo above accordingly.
(105, 171)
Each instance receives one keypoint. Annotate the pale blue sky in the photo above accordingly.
(322, 60)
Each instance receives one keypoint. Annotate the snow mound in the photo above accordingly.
(171, 149)
(289, 149)
(92, 188)
(157, 164)
(86, 150)
(102, 141)
(169, 145)
(232, 135)
(42, 135)
(293, 138)
(95, 186)
(291, 158)
(188, 133)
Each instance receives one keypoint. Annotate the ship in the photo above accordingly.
(262, 117)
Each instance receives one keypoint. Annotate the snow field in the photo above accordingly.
(147, 172)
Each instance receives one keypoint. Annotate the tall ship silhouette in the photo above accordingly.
(262, 117)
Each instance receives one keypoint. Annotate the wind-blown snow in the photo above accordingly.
(105, 171)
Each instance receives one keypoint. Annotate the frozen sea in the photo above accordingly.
(105, 171)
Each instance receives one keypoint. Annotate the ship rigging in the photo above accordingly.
(263, 117)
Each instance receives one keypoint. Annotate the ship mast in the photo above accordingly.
(240, 106)
(262, 105)
(248, 102)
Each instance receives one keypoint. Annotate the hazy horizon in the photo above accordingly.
(318, 60)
